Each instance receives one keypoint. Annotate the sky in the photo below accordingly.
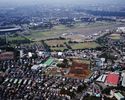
(32, 2)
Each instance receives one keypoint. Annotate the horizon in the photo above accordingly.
(14, 3)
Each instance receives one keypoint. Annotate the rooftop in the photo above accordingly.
(112, 78)
(49, 62)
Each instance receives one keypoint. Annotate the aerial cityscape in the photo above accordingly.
(62, 50)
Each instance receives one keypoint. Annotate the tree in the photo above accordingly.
(67, 92)
(62, 65)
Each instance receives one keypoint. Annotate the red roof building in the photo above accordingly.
(112, 79)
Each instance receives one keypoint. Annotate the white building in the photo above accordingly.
(121, 29)
(119, 96)
(21, 53)
(35, 67)
(102, 78)
(123, 79)
(29, 54)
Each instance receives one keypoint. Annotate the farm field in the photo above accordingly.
(55, 42)
(58, 48)
(61, 45)
(56, 45)
(84, 45)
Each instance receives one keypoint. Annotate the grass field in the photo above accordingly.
(55, 42)
(17, 38)
(43, 34)
(115, 36)
(85, 45)
(13, 39)
(82, 28)
(57, 45)
(58, 48)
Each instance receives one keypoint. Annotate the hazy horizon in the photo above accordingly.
(60, 2)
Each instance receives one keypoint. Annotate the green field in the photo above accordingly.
(83, 28)
(115, 36)
(57, 44)
(13, 39)
(42, 34)
(57, 31)
(17, 38)
(86, 45)
(58, 49)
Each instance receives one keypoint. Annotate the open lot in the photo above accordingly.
(83, 61)
(79, 69)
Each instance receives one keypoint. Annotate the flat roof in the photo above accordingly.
(119, 95)
(112, 78)
(49, 62)
(123, 80)
(102, 78)
(35, 67)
